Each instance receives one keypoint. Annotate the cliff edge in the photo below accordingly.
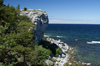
(40, 18)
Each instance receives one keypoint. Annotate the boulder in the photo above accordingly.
(63, 55)
(88, 64)
(49, 62)
(56, 64)
(70, 64)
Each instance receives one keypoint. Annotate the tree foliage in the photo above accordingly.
(40, 55)
(1, 3)
(9, 18)
(58, 51)
(15, 40)
(25, 9)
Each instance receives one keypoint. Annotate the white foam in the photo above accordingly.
(46, 35)
(76, 39)
(94, 42)
(59, 36)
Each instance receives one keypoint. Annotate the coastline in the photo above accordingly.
(67, 57)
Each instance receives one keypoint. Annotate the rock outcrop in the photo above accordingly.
(64, 57)
(40, 18)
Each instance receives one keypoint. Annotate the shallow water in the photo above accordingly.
(77, 35)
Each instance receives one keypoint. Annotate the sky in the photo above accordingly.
(64, 11)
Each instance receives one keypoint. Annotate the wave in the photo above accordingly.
(76, 39)
(46, 35)
(59, 36)
(94, 42)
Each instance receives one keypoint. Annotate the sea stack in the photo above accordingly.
(40, 18)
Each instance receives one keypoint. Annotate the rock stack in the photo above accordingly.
(41, 20)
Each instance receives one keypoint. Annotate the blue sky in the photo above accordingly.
(64, 11)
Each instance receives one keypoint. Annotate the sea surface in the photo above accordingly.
(77, 36)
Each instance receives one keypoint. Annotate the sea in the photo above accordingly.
(77, 36)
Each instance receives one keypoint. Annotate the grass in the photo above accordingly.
(74, 64)
(34, 11)
(54, 60)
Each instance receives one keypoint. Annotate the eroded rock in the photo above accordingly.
(41, 20)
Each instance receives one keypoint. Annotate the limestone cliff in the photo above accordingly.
(40, 18)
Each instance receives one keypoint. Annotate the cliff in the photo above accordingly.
(66, 56)
(40, 19)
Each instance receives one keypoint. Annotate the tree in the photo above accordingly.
(21, 43)
(39, 55)
(8, 5)
(1, 3)
(18, 8)
(6, 42)
(25, 9)
(24, 43)
(9, 18)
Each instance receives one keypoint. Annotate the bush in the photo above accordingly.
(66, 64)
(39, 55)
(54, 60)
(58, 52)
(9, 17)
(23, 17)
(25, 9)
(28, 20)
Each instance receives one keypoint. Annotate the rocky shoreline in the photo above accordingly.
(65, 57)
(40, 19)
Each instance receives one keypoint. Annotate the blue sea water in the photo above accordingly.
(77, 36)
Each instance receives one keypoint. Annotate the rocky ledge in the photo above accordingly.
(65, 57)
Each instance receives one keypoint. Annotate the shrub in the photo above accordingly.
(28, 20)
(54, 60)
(58, 51)
(23, 17)
(39, 55)
(66, 64)
(9, 17)
(25, 9)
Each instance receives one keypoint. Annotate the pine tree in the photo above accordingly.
(25, 9)
(18, 8)
(39, 55)
(8, 5)
(24, 43)
(1, 3)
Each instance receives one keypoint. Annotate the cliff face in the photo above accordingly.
(40, 18)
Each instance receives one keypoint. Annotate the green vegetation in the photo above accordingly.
(54, 60)
(25, 9)
(17, 45)
(9, 18)
(74, 64)
(48, 45)
(58, 51)
(40, 55)
(33, 11)
(15, 40)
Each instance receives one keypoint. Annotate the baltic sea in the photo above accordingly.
(77, 36)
